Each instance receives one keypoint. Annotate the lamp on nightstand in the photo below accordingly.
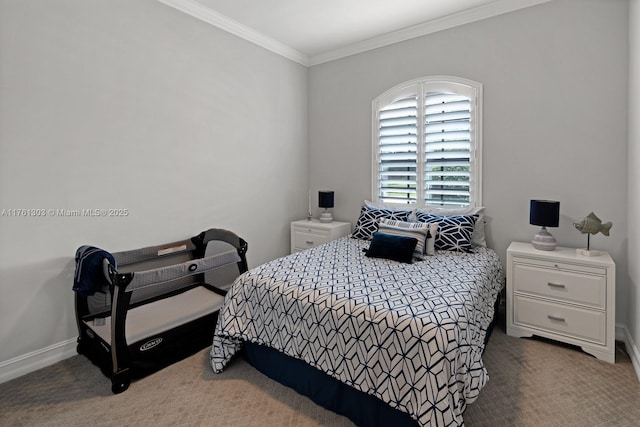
(325, 200)
(545, 213)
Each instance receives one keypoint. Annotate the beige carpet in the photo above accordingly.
(532, 383)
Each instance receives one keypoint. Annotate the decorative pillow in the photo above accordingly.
(454, 231)
(417, 230)
(367, 223)
(396, 248)
(430, 248)
(479, 237)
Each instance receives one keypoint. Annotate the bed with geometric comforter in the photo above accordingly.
(410, 334)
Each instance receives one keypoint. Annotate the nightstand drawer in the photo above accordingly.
(309, 239)
(570, 321)
(555, 265)
(311, 229)
(306, 234)
(570, 286)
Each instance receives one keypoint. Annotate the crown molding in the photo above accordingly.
(210, 16)
(479, 13)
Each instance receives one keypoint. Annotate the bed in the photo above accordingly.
(381, 341)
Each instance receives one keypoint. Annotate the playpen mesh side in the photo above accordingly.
(160, 276)
(223, 276)
(147, 258)
(152, 252)
(143, 260)
(159, 262)
(217, 241)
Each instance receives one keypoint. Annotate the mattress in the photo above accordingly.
(410, 334)
(162, 315)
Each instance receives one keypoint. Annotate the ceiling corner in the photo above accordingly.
(197, 10)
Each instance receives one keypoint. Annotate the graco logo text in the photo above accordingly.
(150, 344)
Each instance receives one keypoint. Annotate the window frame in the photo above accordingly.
(419, 87)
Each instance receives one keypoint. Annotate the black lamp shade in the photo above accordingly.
(545, 213)
(325, 199)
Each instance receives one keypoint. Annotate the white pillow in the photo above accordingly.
(430, 247)
(478, 237)
(417, 230)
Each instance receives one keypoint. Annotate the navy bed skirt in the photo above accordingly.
(361, 408)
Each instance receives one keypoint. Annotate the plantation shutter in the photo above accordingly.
(427, 143)
(447, 156)
(398, 150)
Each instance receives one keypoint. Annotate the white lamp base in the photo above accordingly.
(326, 216)
(588, 252)
(544, 241)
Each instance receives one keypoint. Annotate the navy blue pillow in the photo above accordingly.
(367, 222)
(454, 231)
(388, 246)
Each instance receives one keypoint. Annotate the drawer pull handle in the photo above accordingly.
(556, 318)
(556, 285)
(309, 242)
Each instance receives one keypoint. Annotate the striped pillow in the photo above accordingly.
(417, 230)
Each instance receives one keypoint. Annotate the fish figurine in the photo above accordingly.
(593, 225)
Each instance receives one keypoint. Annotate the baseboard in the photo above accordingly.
(622, 334)
(22, 365)
(38, 359)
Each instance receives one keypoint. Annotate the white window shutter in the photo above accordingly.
(398, 155)
(427, 143)
(447, 140)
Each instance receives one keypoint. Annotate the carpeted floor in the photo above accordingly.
(532, 383)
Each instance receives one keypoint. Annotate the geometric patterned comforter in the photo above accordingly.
(410, 334)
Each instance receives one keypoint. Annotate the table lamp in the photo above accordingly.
(545, 213)
(325, 200)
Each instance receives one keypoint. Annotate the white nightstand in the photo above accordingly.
(307, 234)
(563, 296)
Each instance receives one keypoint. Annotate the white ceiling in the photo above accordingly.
(312, 32)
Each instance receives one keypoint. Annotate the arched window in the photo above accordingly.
(427, 143)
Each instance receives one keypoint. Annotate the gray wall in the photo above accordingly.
(134, 105)
(633, 322)
(555, 117)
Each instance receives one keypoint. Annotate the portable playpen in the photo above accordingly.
(143, 309)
